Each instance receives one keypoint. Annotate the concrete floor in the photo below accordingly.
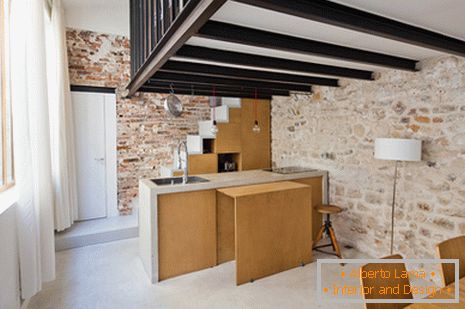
(110, 275)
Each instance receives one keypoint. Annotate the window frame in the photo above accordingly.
(3, 105)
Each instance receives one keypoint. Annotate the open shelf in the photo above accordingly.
(231, 159)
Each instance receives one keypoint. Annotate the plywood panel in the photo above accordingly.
(234, 115)
(203, 164)
(273, 233)
(256, 147)
(225, 228)
(228, 138)
(186, 232)
(316, 184)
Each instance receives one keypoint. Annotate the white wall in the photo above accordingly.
(104, 16)
(9, 269)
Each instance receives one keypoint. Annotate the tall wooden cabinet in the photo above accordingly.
(256, 147)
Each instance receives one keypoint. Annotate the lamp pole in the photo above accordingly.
(393, 206)
(396, 149)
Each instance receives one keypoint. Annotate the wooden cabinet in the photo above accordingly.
(203, 164)
(228, 138)
(186, 232)
(256, 147)
(235, 115)
(249, 150)
(317, 199)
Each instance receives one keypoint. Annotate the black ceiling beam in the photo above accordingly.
(236, 58)
(198, 79)
(228, 72)
(206, 93)
(247, 36)
(202, 87)
(350, 18)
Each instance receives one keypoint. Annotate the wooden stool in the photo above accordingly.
(328, 229)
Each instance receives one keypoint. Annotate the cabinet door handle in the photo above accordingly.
(99, 159)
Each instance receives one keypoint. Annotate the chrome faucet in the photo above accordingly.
(185, 177)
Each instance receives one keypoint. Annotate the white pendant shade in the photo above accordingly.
(398, 149)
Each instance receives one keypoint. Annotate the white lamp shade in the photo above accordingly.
(398, 149)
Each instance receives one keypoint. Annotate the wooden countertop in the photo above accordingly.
(232, 179)
(261, 188)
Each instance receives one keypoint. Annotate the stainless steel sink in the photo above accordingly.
(178, 180)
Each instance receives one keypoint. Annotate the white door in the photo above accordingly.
(91, 154)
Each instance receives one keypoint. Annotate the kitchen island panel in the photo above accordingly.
(186, 232)
(225, 227)
(273, 231)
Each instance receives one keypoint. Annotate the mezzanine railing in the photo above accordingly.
(150, 21)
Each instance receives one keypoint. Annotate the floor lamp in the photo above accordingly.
(396, 149)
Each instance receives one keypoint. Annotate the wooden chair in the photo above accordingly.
(453, 248)
(377, 283)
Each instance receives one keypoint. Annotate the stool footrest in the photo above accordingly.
(322, 246)
(325, 252)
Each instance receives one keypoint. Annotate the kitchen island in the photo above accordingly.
(180, 226)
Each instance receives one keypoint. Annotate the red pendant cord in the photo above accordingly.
(214, 105)
(255, 106)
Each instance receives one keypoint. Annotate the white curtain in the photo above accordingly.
(32, 145)
(61, 120)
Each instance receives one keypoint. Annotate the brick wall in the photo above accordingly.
(146, 135)
(335, 128)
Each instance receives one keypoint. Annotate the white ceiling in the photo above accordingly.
(234, 12)
(105, 16)
(445, 16)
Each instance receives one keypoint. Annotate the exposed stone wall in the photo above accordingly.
(146, 135)
(334, 129)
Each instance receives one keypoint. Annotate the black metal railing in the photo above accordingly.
(150, 20)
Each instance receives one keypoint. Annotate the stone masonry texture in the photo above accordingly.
(335, 128)
(146, 134)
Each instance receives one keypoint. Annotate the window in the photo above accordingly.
(6, 138)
